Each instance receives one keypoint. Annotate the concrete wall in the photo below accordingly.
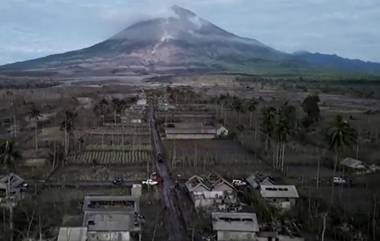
(285, 204)
(189, 136)
(235, 236)
(108, 236)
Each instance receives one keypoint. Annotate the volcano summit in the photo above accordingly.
(184, 42)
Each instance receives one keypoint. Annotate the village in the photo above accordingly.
(100, 164)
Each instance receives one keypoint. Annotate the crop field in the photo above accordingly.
(99, 173)
(137, 157)
(204, 156)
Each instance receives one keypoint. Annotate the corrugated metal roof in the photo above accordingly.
(244, 222)
(352, 163)
(279, 191)
(72, 234)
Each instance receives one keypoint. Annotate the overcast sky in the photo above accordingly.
(349, 28)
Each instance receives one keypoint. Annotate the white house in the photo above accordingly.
(231, 226)
(280, 196)
(208, 194)
(353, 164)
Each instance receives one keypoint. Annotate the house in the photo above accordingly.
(207, 194)
(280, 196)
(72, 234)
(107, 218)
(112, 218)
(256, 180)
(353, 164)
(12, 186)
(233, 226)
(189, 130)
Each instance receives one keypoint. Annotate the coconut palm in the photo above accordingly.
(340, 135)
(285, 122)
(251, 107)
(238, 106)
(118, 106)
(8, 153)
(268, 123)
(67, 126)
(281, 133)
(35, 114)
(101, 108)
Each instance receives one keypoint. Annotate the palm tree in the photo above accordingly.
(285, 122)
(100, 109)
(35, 114)
(251, 107)
(11, 96)
(118, 106)
(268, 124)
(341, 135)
(67, 126)
(238, 106)
(8, 153)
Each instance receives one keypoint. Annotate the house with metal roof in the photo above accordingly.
(190, 130)
(12, 187)
(234, 226)
(209, 193)
(280, 196)
(353, 164)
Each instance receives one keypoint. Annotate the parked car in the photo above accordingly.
(150, 182)
(339, 180)
(117, 181)
(239, 183)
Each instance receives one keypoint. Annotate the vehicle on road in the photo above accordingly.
(238, 183)
(339, 180)
(117, 181)
(150, 182)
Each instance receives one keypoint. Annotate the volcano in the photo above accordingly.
(182, 42)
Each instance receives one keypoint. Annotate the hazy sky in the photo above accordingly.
(35, 28)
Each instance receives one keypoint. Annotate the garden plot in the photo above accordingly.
(98, 173)
(211, 154)
(138, 157)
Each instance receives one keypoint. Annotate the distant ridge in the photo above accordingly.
(186, 42)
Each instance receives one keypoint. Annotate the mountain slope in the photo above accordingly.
(334, 62)
(181, 42)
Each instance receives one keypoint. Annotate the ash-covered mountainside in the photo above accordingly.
(181, 42)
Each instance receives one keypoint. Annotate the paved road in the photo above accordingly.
(170, 193)
(83, 184)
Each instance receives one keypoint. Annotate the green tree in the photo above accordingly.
(68, 127)
(340, 136)
(251, 107)
(311, 108)
(118, 107)
(268, 123)
(101, 109)
(238, 106)
(8, 153)
(281, 131)
(35, 114)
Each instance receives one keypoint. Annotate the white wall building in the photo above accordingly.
(235, 226)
